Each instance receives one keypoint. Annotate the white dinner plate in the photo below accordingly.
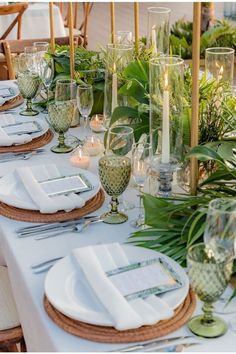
(12, 191)
(11, 85)
(67, 290)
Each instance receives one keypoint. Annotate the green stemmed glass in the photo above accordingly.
(209, 271)
(28, 83)
(114, 172)
(60, 115)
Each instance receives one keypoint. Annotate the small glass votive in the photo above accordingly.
(97, 123)
(93, 145)
(80, 158)
(219, 62)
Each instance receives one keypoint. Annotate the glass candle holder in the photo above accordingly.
(93, 145)
(118, 56)
(124, 37)
(166, 109)
(219, 63)
(158, 29)
(80, 158)
(97, 123)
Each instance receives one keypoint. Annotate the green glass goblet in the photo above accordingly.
(209, 271)
(114, 172)
(28, 83)
(60, 115)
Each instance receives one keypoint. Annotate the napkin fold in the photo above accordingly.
(30, 178)
(94, 261)
(8, 140)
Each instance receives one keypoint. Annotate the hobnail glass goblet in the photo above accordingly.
(209, 271)
(28, 83)
(60, 115)
(114, 173)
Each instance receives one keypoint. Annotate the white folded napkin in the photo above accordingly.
(94, 261)
(8, 140)
(31, 176)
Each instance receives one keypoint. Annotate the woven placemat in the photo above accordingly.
(14, 102)
(111, 335)
(35, 216)
(32, 145)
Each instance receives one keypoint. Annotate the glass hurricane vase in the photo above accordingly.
(166, 125)
(114, 173)
(118, 56)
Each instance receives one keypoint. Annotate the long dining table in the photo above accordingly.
(41, 334)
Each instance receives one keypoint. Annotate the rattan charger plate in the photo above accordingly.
(35, 216)
(14, 102)
(111, 335)
(32, 145)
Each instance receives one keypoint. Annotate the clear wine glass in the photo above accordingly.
(85, 102)
(221, 230)
(140, 171)
(46, 73)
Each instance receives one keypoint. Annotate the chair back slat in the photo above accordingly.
(10, 47)
(18, 9)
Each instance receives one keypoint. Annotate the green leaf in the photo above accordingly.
(123, 112)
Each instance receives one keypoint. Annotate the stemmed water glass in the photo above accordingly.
(60, 115)
(221, 230)
(85, 102)
(114, 173)
(120, 140)
(209, 271)
(140, 168)
(28, 81)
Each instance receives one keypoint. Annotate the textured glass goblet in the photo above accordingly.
(221, 230)
(60, 115)
(28, 83)
(209, 271)
(114, 173)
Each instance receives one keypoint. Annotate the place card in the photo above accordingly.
(6, 92)
(66, 185)
(144, 278)
(22, 128)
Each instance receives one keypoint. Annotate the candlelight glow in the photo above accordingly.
(166, 81)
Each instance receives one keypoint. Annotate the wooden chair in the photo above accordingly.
(10, 330)
(82, 29)
(19, 9)
(14, 47)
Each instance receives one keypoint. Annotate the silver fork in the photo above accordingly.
(74, 228)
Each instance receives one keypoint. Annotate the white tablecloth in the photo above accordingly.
(41, 334)
(35, 22)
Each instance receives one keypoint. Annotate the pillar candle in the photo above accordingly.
(165, 157)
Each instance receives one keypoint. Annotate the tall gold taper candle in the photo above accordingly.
(195, 93)
(51, 18)
(112, 5)
(136, 23)
(71, 37)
